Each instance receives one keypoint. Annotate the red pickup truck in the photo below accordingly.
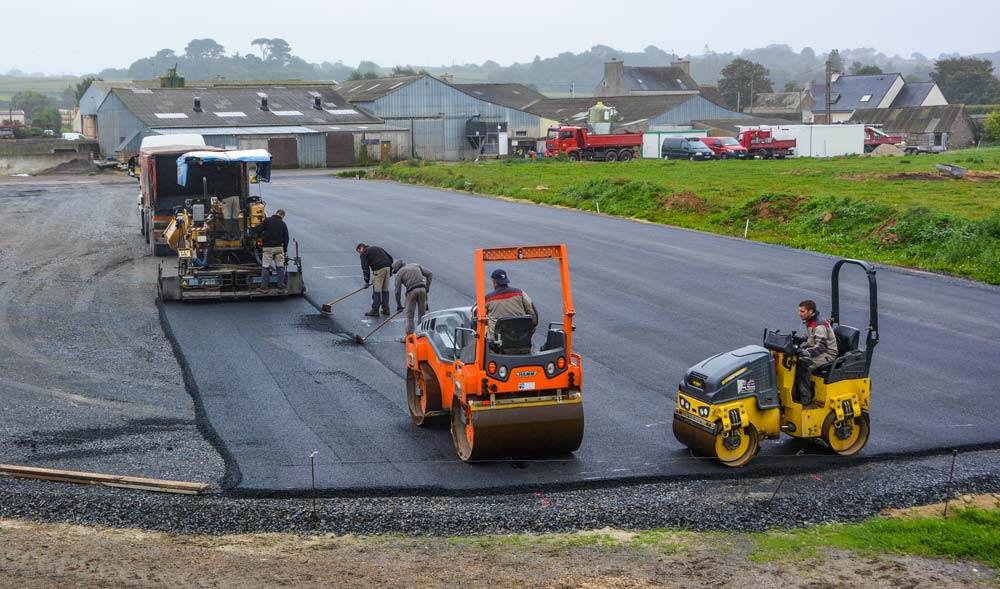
(580, 144)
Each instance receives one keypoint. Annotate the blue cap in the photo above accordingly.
(500, 276)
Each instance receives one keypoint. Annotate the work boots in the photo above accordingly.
(385, 303)
(376, 303)
(265, 279)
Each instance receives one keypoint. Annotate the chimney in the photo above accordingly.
(614, 71)
(197, 104)
(317, 103)
(263, 103)
(684, 65)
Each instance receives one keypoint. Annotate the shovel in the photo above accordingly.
(361, 340)
(327, 306)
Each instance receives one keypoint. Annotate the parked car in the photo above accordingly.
(684, 148)
(725, 148)
(73, 136)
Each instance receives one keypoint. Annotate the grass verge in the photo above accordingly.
(889, 210)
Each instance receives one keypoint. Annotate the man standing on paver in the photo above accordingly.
(417, 281)
(376, 264)
(273, 234)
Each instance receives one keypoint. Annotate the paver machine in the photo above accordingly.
(728, 403)
(212, 231)
(502, 397)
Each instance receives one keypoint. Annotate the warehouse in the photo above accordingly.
(442, 118)
(637, 113)
(292, 122)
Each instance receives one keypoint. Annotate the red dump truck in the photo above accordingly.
(761, 143)
(580, 144)
(875, 137)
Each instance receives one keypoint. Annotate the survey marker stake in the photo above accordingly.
(361, 340)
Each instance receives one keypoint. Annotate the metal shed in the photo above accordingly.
(435, 113)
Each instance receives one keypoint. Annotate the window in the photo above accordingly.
(866, 98)
(520, 133)
(566, 135)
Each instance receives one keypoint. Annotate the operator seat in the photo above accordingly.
(512, 335)
(850, 361)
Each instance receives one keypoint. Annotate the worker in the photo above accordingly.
(507, 301)
(818, 348)
(231, 216)
(376, 264)
(417, 281)
(273, 234)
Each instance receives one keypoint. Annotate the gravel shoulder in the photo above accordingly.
(89, 380)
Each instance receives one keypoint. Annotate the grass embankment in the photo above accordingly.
(895, 210)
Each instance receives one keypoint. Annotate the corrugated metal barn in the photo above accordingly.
(436, 113)
(301, 126)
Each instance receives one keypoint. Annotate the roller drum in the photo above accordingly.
(522, 432)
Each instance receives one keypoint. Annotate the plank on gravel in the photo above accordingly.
(110, 480)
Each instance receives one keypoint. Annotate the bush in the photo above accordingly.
(991, 126)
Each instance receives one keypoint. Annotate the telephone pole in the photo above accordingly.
(828, 84)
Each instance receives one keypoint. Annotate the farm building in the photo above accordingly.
(296, 123)
(932, 127)
(636, 113)
(448, 122)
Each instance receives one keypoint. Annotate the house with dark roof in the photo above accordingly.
(296, 123)
(622, 80)
(788, 105)
(932, 127)
(635, 113)
(852, 93)
(451, 122)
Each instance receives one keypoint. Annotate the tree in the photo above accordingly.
(279, 50)
(264, 44)
(204, 49)
(836, 62)
(858, 69)
(967, 80)
(83, 85)
(402, 71)
(991, 126)
(30, 102)
(47, 118)
(360, 75)
(792, 86)
(741, 78)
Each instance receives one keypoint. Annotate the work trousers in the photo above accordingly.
(416, 300)
(380, 289)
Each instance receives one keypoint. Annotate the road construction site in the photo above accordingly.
(99, 377)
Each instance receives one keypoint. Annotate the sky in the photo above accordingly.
(85, 37)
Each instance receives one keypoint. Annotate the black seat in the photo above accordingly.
(512, 335)
(554, 340)
(847, 339)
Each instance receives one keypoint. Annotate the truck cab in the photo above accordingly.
(564, 140)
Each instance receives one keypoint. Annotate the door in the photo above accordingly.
(428, 138)
(386, 151)
(340, 149)
(284, 152)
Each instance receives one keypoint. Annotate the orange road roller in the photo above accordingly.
(502, 397)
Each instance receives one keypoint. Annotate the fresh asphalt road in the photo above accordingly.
(280, 380)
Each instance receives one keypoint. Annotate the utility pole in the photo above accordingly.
(738, 102)
(572, 89)
(751, 90)
(828, 84)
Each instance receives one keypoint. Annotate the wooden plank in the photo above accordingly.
(109, 480)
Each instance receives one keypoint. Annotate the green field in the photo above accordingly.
(52, 87)
(890, 210)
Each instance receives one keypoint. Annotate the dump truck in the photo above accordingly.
(580, 144)
(156, 169)
(762, 143)
(214, 230)
(875, 137)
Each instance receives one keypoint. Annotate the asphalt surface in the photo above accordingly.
(279, 381)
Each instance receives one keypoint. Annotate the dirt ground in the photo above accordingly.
(57, 555)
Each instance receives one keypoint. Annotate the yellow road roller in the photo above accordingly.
(730, 402)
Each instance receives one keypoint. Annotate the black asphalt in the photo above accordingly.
(279, 380)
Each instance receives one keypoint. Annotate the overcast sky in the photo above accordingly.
(60, 36)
